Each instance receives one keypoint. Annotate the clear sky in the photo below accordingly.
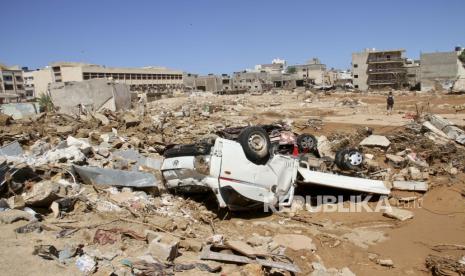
(215, 36)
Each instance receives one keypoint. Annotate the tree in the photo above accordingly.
(462, 56)
(291, 70)
(45, 103)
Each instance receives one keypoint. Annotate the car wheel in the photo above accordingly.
(256, 144)
(349, 159)
(306, 142)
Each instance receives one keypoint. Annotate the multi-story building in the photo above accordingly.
(157, 79)
(11, 83)
(440, 68)
(28, 77)
(373, 69)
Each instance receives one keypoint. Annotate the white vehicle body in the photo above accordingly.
(239, 183)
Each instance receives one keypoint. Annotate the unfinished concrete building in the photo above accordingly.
(208, 83)
(373, 69)
(311, 73)
(11, 84)
(148, 79)
(441, 69)
(413, 73)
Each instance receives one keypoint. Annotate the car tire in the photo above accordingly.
(187, 150)
(256, 144)
(349, 159)
(306, 142)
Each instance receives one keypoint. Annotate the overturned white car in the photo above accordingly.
(244, 173)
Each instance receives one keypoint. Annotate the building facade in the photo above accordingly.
(11, 84)
(149, 79)
(311, 73)
(440, 69)
(29, 90)
(373, 69)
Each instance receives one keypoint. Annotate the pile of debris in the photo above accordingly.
(92, 185)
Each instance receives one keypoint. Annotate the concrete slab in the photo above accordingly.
(376, 141)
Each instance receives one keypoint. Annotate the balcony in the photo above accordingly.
(374, 60)
(380, 71)
(383, 82)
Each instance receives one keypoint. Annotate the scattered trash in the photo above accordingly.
(86, 264)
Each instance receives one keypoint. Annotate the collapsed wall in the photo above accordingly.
(92, 95)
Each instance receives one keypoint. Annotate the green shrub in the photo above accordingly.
(45, 103)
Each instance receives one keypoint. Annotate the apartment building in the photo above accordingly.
(11, 84)
(374, 69)
(150, 79)
(28, 77)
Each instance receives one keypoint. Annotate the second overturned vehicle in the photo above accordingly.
(245, 172)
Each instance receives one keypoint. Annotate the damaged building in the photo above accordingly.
(311, 73)
(76, 98)
(441, 69)
(209, 83)
(375, 69)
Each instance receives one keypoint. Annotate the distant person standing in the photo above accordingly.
(390, 103)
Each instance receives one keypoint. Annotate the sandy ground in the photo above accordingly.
(342, 239)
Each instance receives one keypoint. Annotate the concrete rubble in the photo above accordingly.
(375, 141)
(398, 214)
(89, 181)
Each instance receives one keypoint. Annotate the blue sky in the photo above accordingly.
(215, 36)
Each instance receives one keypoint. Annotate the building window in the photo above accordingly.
(7, 78)
(18, 78)
(355, 76)
(8, 86)
(356, 86)
(19, 87)
(355, 65)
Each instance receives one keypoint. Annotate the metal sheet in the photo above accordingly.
(100, 176)
(344, 182)
(140, 160)
(11, 149)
